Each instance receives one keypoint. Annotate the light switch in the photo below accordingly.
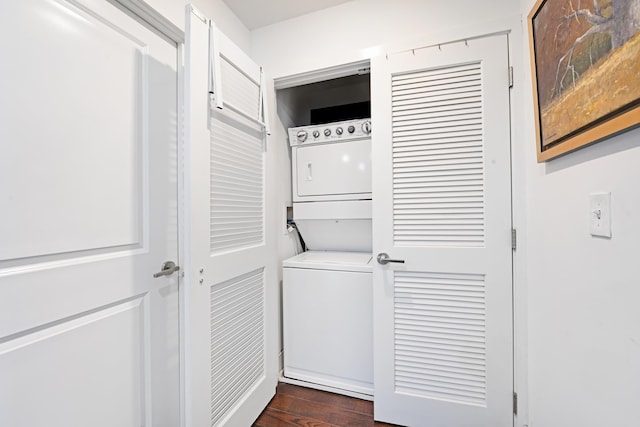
(600, 214)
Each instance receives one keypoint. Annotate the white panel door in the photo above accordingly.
(442, 204)
(88, 195)
(232, 309)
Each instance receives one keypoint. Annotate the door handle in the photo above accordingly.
(168, 268)
(309, 172)
(383, 258)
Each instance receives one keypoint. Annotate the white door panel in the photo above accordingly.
(442, 204)
(88, 191)
(77, 148)
(231, 336)
(116, 394)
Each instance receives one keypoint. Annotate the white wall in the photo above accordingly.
(216, 10)
(584, 292)
(354, 30)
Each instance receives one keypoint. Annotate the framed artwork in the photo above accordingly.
(585, 60)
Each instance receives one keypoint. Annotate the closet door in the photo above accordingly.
(442, 204)
(232, 347)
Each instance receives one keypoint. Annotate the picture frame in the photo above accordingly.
(585, 72)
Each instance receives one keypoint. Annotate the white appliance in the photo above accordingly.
(331, 180)
(328, 335)
(327, 291)
(331, 161)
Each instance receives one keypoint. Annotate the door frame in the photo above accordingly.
(155, 21)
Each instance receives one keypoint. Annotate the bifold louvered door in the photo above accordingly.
(232, 348)
(442, 203)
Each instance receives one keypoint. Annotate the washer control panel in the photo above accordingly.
(330, 132)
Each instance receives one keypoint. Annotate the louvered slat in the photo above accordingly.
(237, 186)
(432, 106)
(239, 90)
(470, 108)
(439, 332)
(434, 74)
(438, 157)
(237, 340)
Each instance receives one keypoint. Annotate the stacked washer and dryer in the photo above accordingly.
(327, 290)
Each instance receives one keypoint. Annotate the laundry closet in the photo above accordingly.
(327, 298)
(440, 259)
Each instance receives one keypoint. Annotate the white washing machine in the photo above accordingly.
(327, 318)
(327, 291)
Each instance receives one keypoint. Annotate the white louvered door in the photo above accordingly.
(442, 203)
(232, 346)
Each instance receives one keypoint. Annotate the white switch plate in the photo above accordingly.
(600, 214)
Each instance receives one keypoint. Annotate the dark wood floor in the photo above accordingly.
(301, 406)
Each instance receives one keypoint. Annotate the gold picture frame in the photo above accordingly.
(585, 66)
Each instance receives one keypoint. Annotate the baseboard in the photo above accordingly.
(307, 384)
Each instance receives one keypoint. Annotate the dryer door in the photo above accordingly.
(334, 171)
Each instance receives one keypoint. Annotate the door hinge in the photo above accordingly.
(514, 239)
(515, 403)
(510, 76)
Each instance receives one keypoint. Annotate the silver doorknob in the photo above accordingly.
(383, 258)
(168, 268)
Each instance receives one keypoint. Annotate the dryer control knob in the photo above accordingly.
(351, 129)
(366, 127)
(316, 133)
(302, 135)
(327, 132)
(339, 131)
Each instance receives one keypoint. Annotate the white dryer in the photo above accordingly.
(327, 291)
(331, 161)
(331, 180)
